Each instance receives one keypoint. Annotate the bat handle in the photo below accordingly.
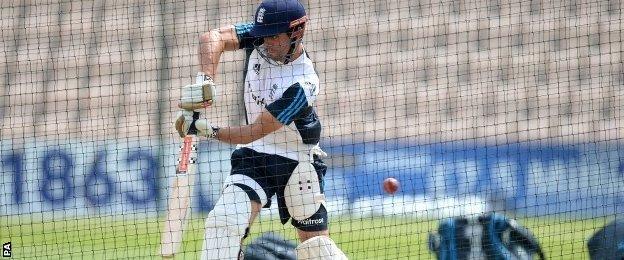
(192, 129)
(200, 77)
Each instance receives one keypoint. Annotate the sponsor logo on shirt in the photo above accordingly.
(272, 92)
(256, 68)
(311, 86)
(259, 100)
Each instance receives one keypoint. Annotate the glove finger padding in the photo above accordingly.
(197, 96)
(195, 106)
(204, 128)
(183, 122)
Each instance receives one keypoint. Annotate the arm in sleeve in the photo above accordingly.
(244, 39)
(288, 107)
(292, 106)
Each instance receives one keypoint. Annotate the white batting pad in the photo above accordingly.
(303, 192)
(319, 248)
(226, 225)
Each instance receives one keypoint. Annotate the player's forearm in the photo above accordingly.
(210, 50)
(240, 134)
(262, 126)
(212, 44)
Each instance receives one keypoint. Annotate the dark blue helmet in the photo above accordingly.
(279, 16)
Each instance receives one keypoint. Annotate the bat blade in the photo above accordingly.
(179, 198)
(180, 192)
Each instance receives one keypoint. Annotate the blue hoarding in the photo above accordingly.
(112, 178)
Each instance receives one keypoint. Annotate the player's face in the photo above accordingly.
(277, 46)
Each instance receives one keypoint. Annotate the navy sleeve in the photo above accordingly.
(244, 39)
(287, 108)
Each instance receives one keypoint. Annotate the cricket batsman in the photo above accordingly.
(277, 151)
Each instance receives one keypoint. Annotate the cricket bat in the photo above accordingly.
(178, 204)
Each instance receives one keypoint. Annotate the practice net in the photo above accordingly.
(474, 106)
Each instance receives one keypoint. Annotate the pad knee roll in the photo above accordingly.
(226, 225)
(319, 248)
(232, 211)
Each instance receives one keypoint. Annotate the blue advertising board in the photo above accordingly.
(529, 178)
(112, 178)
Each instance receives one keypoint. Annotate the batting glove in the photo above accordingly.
(199, 95)
(187, 123)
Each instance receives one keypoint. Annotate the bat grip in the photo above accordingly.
(193, 129)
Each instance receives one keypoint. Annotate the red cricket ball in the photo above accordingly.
(390, 185)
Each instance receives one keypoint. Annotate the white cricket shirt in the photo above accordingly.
(288, 92)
